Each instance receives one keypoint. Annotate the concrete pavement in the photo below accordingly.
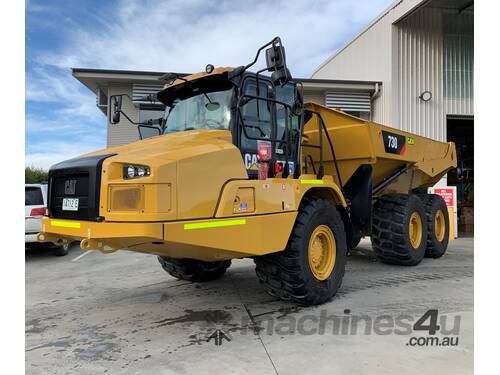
(121, 313)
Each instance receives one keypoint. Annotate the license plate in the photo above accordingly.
(70, 204)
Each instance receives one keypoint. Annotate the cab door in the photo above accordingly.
(287, 127)
(265, 118)
(255, 121)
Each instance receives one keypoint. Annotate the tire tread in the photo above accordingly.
(389, 237)
(282, 274)
(194, 270)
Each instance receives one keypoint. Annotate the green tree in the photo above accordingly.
(34, 175)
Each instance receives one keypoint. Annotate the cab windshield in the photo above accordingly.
(201, 110)
(200, 104)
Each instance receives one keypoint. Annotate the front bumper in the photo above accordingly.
(209, 239)
(104, 236)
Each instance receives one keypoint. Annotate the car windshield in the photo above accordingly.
(208, 110)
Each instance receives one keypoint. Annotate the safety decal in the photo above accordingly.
(65, 224)
(215, 224)
(311, 182)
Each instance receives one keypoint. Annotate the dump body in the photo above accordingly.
(356, 142)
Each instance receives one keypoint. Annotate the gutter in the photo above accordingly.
(374, 96)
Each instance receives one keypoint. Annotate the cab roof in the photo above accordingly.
(195, 76)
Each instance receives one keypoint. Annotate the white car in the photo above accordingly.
(35, 206)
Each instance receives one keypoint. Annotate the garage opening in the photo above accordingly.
(461, 131)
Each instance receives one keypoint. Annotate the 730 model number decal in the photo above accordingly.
(394, 143)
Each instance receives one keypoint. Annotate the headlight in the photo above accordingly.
(141, 171)
(134, 171)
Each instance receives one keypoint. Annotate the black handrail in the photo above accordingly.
(322, 127)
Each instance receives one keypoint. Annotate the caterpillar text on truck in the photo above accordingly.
(243, 168)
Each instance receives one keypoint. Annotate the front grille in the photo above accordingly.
(81, 182)
(76, 178)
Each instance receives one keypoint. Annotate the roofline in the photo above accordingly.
(89, 78)
(357, 36)
(346, 81)
(148, 73)
(116, 71)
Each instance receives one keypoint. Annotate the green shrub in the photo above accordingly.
(34, 175)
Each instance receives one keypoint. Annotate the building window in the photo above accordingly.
(356, 103)
(361, 115)
(458, 55)
(102, 101)
(150, 111)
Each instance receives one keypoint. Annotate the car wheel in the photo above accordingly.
(62, 250)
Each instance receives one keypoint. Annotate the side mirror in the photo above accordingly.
(276, 63)
(115, 104)
(275, 57)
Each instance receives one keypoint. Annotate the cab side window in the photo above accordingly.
(256, 115)
(284, 115)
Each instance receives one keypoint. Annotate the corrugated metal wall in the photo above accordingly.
(368, 57)
(435, 53)
(458, 63)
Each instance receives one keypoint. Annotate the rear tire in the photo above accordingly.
(194, 270)
(438, 225)
(399, 232)
(310, 270)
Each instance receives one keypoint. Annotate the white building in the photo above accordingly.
(414, 46)
(423, 53)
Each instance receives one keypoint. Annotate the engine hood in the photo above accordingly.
(188, 172)
(174, 147)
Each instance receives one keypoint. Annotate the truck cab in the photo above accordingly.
(256, 110)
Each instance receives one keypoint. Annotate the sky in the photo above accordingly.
(62, 120)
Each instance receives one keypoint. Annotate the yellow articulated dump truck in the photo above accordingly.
(241, 167)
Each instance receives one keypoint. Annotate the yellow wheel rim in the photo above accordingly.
(439, 225)
(415, 230)
(322, 252)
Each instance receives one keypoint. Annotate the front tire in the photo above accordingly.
(399, 231)
(194, 270)
(310, 270)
